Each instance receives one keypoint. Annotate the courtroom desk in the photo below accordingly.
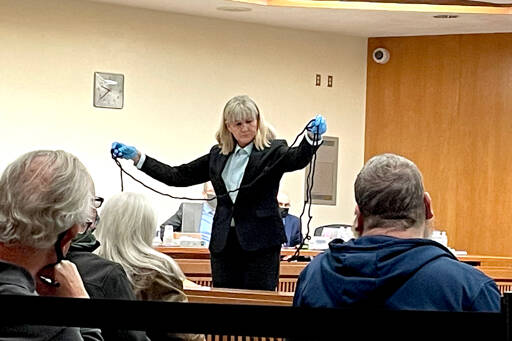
(195, 263)
(496, 267)
(486, 260)
(199, 272)
(203, 253)
(502, 275)
(178, 252)
(238, 296)
(201, 267)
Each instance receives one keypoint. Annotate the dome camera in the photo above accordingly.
(381, 55)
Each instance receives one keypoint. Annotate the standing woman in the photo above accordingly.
(247, 231)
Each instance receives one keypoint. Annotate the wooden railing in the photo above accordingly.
(502, 275)
(198, 270)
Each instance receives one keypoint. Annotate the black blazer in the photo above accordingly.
(256, 213)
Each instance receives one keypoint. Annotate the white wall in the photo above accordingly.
(179, 72)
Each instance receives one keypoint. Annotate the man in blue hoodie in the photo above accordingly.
(392, 265)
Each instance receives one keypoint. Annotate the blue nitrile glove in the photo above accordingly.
(318, 125)
(123, 151)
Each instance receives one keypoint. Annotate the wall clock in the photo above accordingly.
(108, 90)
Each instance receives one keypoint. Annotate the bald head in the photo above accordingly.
(283, 200)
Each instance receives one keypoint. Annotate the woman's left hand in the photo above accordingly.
(317, 125)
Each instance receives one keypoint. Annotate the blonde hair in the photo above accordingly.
(42, 194)
(240, 108)
(125, 231)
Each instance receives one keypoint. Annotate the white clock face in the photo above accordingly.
(108, 90)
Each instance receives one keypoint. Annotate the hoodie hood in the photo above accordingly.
(369, 269)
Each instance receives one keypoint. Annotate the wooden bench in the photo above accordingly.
(238, 296)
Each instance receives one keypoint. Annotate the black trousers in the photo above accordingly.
(237, 268)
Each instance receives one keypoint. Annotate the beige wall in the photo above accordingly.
(179, 71)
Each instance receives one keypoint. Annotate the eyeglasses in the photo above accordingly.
(98, 201)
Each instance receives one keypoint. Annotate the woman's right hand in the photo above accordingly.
(123, 151)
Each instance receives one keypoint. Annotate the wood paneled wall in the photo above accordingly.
(445, 102)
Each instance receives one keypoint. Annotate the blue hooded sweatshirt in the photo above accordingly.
(394, 273)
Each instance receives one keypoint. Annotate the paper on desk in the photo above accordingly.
(188, 284)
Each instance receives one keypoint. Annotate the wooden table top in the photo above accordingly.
(238, 296)
(203, 253)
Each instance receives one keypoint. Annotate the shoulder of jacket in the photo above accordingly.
(293, 217)
(215, 148)
(278, 143)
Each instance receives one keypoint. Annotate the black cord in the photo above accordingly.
(150, 188)
(268, 169)
(309, 188)
(121, 173)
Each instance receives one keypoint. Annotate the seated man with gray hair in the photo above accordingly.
(46, 198)
(393, 264)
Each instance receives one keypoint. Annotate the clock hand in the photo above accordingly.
(108, 90)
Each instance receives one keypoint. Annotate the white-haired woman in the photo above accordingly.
(247, 231)
(125, 232)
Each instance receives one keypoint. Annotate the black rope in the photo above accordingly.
(309, 188)
(268, 169)
(121, 173)
(151, 188)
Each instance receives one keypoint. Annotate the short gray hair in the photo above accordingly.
(241, 108)
(389, 192)
(42, 194)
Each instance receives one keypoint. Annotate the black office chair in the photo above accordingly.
(319, 229)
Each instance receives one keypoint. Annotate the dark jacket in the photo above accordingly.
(103, 279)
(256, 214)
(393, 273)
(292, 228)
(15, 280)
